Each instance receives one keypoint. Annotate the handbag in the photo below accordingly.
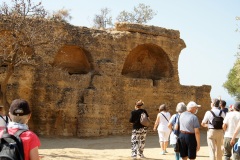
(175, 126)
(236, 147)
(144, 120)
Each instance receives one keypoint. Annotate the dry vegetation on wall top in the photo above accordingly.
(88, 86)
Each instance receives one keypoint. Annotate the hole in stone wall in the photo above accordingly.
(154, 83)
(147, 61)
(73, 59)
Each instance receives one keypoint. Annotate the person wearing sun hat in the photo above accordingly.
(189, 136)
(229, 124)
(139, 131)
(20, 114)
(214, 135)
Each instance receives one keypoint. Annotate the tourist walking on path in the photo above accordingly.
(181, 107)
(214, 134)
(235, 134)
(161, 124)
(139, 131)
(229, 125)
(189, 136)
(222, 106)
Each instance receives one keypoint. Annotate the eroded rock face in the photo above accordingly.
(89, 86)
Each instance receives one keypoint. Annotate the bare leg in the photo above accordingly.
(162, 145)
(165, 145)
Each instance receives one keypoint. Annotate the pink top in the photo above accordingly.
(29, 139)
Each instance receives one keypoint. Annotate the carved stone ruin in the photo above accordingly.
(89, 86)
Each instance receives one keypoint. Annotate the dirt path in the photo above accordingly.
(108, 148)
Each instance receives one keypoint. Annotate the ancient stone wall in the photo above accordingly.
(88, 87)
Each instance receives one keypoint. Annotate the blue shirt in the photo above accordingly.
(188, 122)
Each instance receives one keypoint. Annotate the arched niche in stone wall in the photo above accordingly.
(148, 61)
(73, 59)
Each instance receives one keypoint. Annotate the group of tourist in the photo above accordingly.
(182, 130)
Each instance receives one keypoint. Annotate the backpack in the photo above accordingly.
(11, 147)
(217, 121)
(144, 119)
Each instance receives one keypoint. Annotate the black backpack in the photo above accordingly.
(217, 121)
(11, 147)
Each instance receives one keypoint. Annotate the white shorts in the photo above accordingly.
(164, 135)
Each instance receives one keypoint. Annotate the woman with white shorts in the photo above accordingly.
(161, 124)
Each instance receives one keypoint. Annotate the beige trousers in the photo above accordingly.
(215, 141)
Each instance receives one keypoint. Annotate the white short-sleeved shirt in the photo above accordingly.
(208, 117)
(231, 120)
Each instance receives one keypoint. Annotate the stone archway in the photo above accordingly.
(72, 59)
(147, 61)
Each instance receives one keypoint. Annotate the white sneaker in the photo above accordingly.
(142, 157)
(163, 153)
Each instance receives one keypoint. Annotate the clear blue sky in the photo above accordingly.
(207, 27)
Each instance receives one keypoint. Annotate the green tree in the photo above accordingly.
(141, 14)
(233, 80)
(103, 19)
(23, 27)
